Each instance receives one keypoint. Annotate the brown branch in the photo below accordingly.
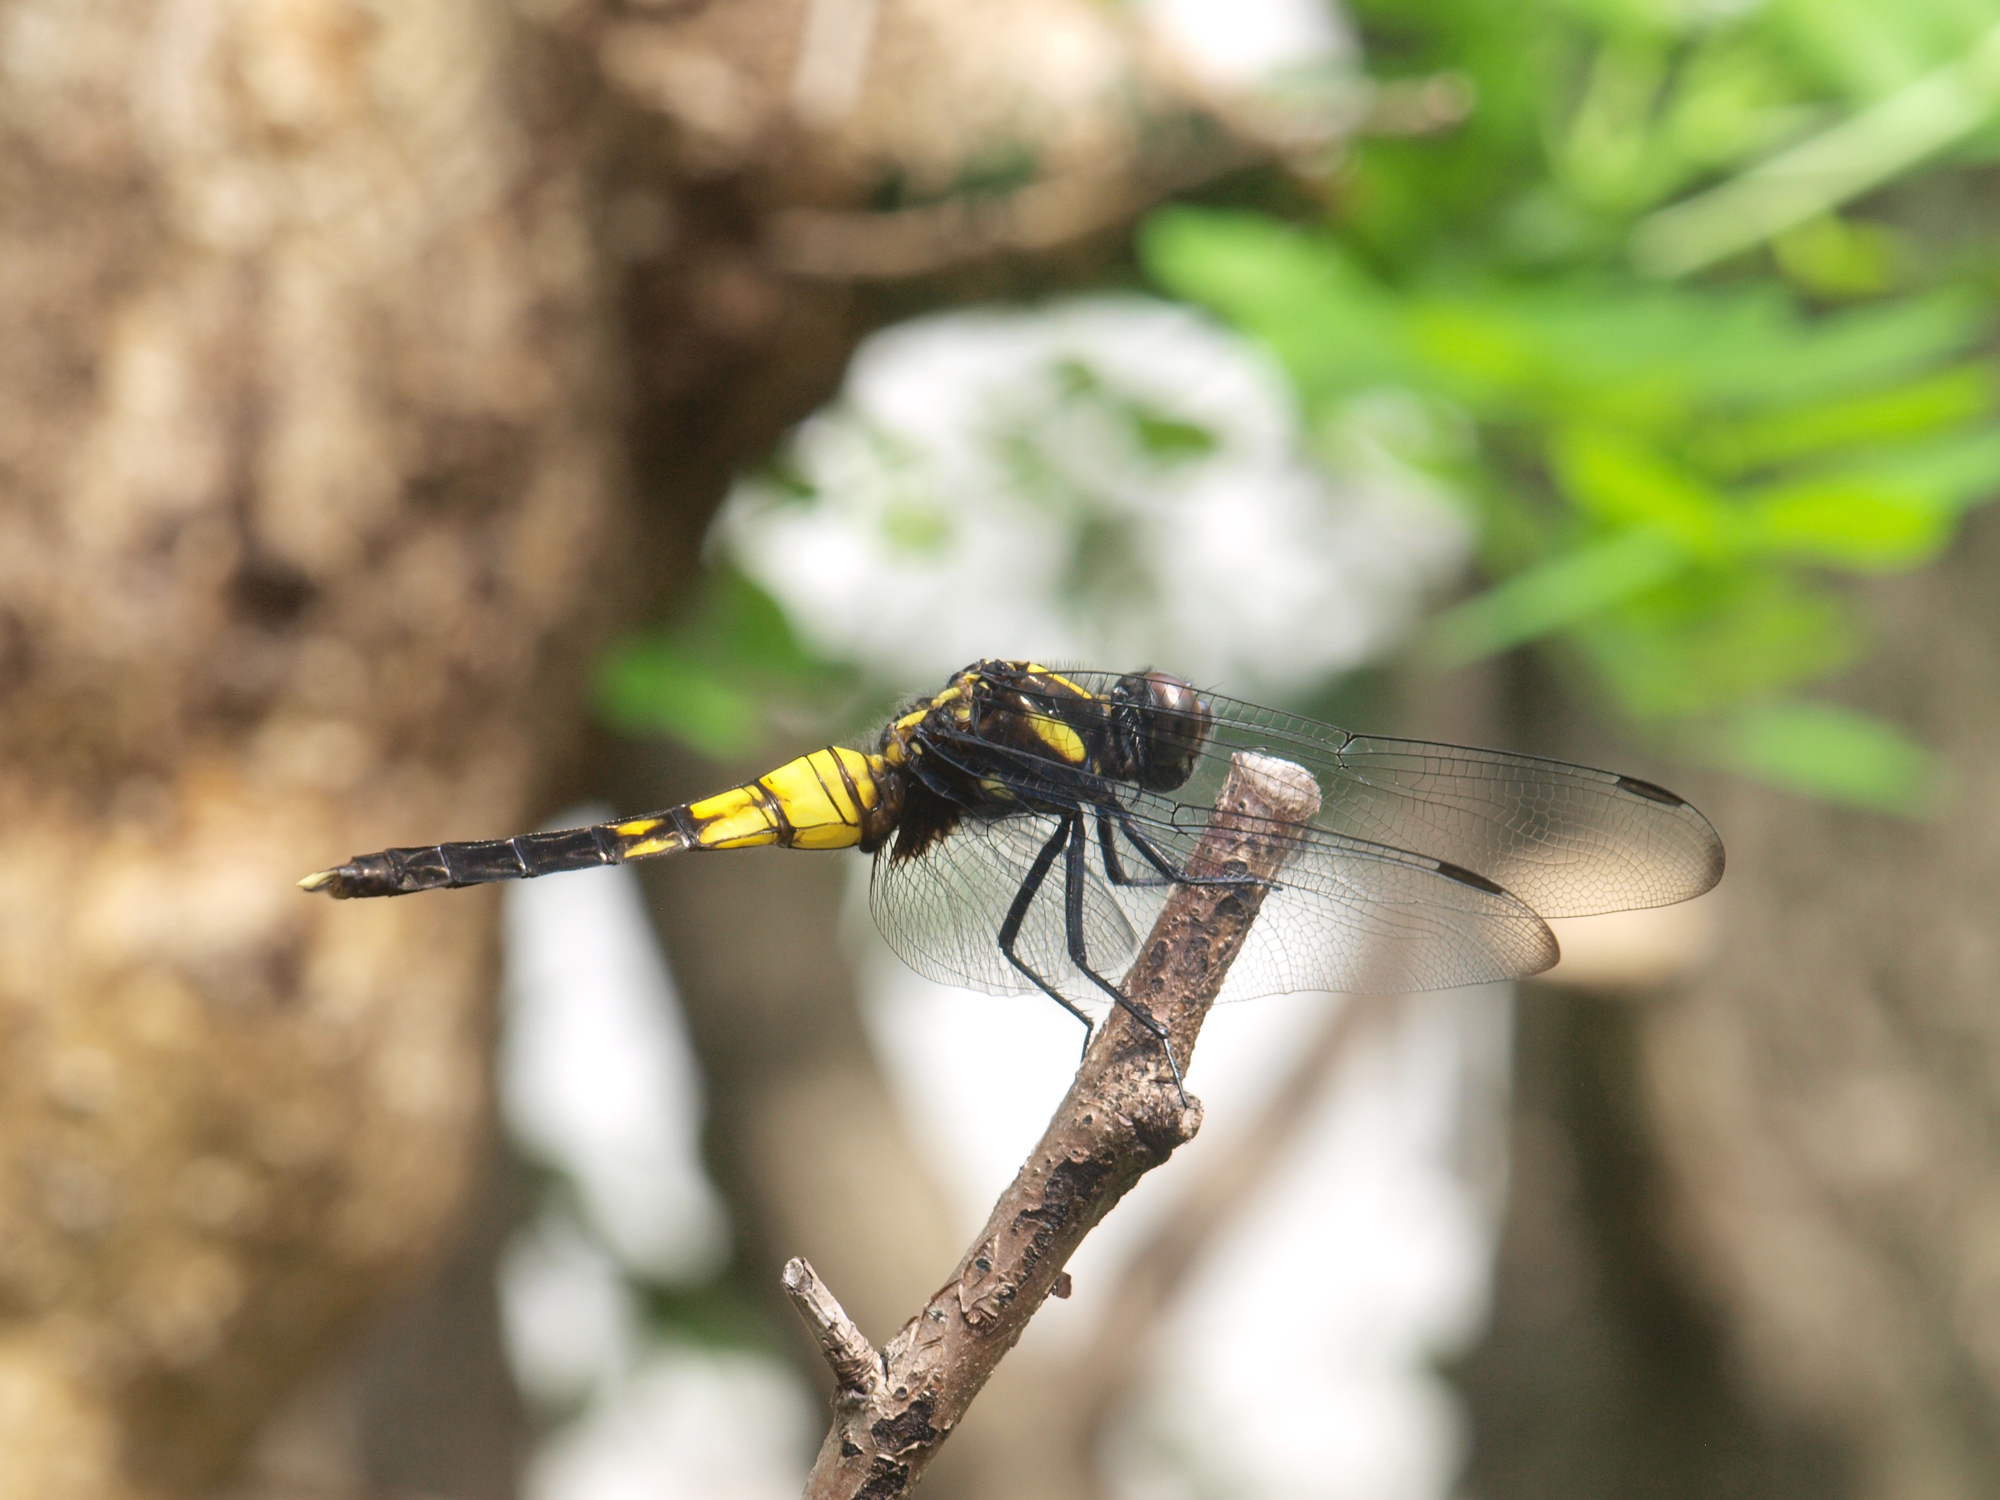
(1121, 1118)
(857, 1368)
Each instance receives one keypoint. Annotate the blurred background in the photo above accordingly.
(436, 420)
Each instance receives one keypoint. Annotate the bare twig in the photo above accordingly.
(1121, 1118)
(855, 1364)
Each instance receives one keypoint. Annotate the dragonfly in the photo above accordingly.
(1028, 823)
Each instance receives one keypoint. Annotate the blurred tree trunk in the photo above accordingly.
(365, 363)
(1829, 1096)
(1754, 1244)
(1608, 1368)
(310, 461)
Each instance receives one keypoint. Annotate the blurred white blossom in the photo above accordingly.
(596, 1075)
(1247, 41)
(566, 1312)
(691, 1424)
(1109, 479)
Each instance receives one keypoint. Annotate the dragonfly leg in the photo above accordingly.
(1010, 930)
(1114, 867)
(1156, 857)
(1076, 872)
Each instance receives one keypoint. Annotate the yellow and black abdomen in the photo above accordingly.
(831, 799)
(834, 798)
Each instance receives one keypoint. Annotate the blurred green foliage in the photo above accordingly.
(712, 678)
(1701, 385)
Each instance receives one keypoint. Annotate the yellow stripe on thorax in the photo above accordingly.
(1054, 733)
(805, 804)
(1059, 737)
(1038, 670)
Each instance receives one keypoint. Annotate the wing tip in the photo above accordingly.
(1718, 865)
(1549, 958)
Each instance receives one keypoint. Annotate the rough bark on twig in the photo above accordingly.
(1121, 1118)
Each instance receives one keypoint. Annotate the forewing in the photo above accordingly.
(1568, 840)
(1429, 866)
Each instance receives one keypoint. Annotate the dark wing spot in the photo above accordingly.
(1472, 878)
(1650, 792)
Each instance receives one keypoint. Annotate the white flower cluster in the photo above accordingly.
(1110, 480)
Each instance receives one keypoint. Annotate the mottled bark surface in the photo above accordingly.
(307, 461)
(364, 364)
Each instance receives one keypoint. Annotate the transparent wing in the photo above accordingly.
(1344, 915)
(1568, 840)
(1358, 918)
(941, 911)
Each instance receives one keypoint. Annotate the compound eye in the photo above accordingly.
(1172, 696)
(1176, 728)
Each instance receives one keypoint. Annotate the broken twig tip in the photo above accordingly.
(1290, 788)
(855, 1364)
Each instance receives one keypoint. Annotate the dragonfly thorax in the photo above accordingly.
(1014, 735)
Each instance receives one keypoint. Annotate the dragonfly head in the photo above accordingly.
(1162, 729)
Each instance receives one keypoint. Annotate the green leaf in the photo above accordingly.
(708, 679)
(1751, 350)
(1331, 324)
(653, 686)
(1613, 478)
(1848, 522)
(1866, 48)
(1861, 348)
(1565, 589)
(1166, 438)
(1715, 637)
(1835, 257)
(916, 527)
(1915, 409)
(1830, 752)
(1953, 473)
